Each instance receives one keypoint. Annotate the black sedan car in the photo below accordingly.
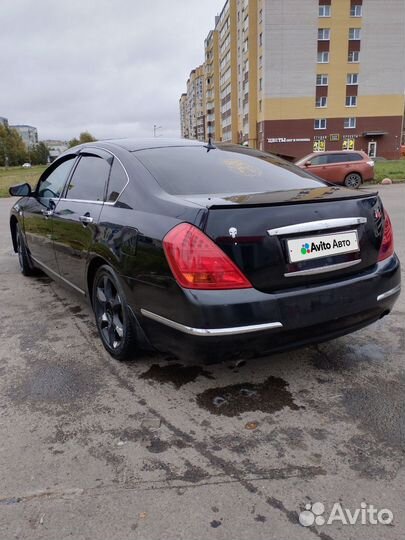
(206, 252)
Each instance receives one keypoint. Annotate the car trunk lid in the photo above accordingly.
(265, 233)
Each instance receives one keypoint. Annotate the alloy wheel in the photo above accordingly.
(109, 312)
(353, 180)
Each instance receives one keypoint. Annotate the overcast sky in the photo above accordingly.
(112, 67)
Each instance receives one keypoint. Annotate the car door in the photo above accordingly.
(317, 165)
(337, 168)
(38, 212)
(77, 213)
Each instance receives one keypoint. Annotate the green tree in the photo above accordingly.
(12, 148)
(39, 154)
(84, 137)
(73, 142)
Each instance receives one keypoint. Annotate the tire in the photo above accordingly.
(26, 266)
(353, 180)
(114, 320)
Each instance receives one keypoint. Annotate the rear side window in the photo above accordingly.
(354, 157)
(117, 182)
(89, 179)
(337, 158)
(193, 170)
(342, 158)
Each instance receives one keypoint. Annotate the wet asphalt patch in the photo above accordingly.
(177, 374)
(269, 396)
(49, 383)
(379, 406)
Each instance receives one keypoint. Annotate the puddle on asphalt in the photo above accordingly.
(176, 374)
(378, 405)
(269, 396)
(49, 383)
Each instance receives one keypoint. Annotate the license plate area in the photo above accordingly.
(326, 245)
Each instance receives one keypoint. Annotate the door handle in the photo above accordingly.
(47, 213)
(86, 219)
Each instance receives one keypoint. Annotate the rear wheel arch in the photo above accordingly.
(92, 268)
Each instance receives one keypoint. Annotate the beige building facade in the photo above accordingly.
(294, 76)
(192, 106)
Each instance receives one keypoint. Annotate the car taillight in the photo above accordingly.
(371, 163)
(198, 263)
(387, 244)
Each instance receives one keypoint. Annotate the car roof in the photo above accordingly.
(132, 145)
(337, 152)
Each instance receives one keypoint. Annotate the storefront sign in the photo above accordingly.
(285, 140)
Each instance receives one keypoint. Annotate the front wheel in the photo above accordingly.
(114, 320)
(353, 180)
(26, 266)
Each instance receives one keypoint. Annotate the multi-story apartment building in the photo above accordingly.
(212, 92)
(184, 123)
(192, 106)
(303, 75)
(55, 147)
(29, 134)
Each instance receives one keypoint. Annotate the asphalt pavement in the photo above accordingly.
(91, 448)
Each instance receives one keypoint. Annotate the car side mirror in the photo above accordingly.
(308, 163)
(20, 190)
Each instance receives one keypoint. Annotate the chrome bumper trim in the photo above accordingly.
(323, 269)
(386, 294)
(208, 332)
(320, 225)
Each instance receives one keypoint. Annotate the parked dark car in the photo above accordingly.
(347, 167)
(206, 252)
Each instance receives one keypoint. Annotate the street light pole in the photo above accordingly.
(155, 128)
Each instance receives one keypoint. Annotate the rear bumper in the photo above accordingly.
(223, 324)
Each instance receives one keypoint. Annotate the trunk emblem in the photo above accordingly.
(233, 231)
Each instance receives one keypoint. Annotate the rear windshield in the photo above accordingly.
(192, 170)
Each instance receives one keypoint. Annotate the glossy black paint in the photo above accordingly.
(128, 236)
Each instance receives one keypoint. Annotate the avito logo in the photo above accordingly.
(305, 249)
(324, 246)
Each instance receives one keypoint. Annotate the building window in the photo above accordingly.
(260, 39)
(352, 78)
(350, 123)
(320, 123)
(324, 11)
(260, 61)
(322, 80)
(353, 57)
(321, 102)
(260, 105)
(351, 101)
(354, 33)
(260, 84)
(260, 16)
(323, 34)
(323, 57)
(356, 10)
